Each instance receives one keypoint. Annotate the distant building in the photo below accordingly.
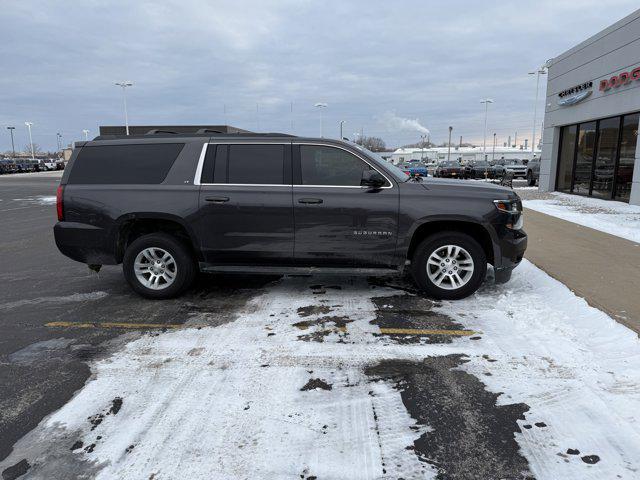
(462, 154)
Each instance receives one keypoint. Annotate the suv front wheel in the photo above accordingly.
(158, 266)
(449, 265)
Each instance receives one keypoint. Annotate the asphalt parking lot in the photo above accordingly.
(299, 377)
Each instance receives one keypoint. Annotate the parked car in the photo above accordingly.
(8, 166)
(449, 169)
(50, 164)
(533, 171)
(166, 206)
(415, 167)
(24, 165)
(35, 165)
(502, 166)
(478, 169)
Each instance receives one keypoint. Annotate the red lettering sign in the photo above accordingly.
(623, 78)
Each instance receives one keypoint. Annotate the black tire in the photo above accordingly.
(530, 180)
(185, 265)
(430, 245)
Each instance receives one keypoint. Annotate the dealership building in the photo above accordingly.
(590, 139)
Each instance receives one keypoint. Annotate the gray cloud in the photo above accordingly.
(190, 61)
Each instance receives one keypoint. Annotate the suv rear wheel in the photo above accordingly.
(158, 266)
(449, 265)
(530, 180)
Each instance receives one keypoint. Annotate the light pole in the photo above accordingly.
(486, 102)
(342, 122)
(124, 86)
(541, 71)
(86, 134)
(28, 124)
(320, 106)
(493, 154)
(449, 145)
(13, 147)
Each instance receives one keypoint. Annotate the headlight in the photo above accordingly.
(513, 208)
(509, 206)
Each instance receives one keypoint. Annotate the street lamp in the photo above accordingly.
(541, 71)
(28, 124)
(13, 147)
(449, 145)
(321, 105)
(342, 122)
(486, 102)
(86, 134)
(493, 153)
(124, 85)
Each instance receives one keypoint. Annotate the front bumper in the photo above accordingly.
(511, 246)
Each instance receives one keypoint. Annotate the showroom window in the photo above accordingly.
(567, 151)
(597, 158)
(628, 142)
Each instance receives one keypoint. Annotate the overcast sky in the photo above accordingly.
(369, 61)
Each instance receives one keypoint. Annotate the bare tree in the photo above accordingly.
(36, 148)
(375, 144)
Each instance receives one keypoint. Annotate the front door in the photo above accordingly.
(245, 212)
(337, 221)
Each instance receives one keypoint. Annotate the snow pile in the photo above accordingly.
(616, 218)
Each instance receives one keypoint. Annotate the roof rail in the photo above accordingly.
(157, 131)
(209, 130)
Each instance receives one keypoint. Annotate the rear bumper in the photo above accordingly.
(84, 243)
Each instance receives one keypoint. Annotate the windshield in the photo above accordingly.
(396, 172)
(449, 164)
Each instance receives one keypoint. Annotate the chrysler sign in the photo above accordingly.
(576, 94)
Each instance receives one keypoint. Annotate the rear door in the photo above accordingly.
(337, 221)
(245, 212)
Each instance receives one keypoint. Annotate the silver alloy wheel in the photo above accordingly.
(450, 267)
(155, 268)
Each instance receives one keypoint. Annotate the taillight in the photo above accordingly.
(59, 203)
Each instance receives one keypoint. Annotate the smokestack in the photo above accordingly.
(526, 143)
(461, 140)
(509, 141)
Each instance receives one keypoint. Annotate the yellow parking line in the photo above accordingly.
(113, 325)
(411, 331)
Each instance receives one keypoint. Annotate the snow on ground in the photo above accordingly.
(229, 402)
(616, 218)
(38, 200)
(75, 297)
(52, 173)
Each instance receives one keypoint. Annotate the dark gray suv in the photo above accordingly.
(168, 205)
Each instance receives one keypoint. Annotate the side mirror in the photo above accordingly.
(372, 178)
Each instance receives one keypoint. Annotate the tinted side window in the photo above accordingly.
(124, 164)
(256, 164)
(322, 165)
(214, 169)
